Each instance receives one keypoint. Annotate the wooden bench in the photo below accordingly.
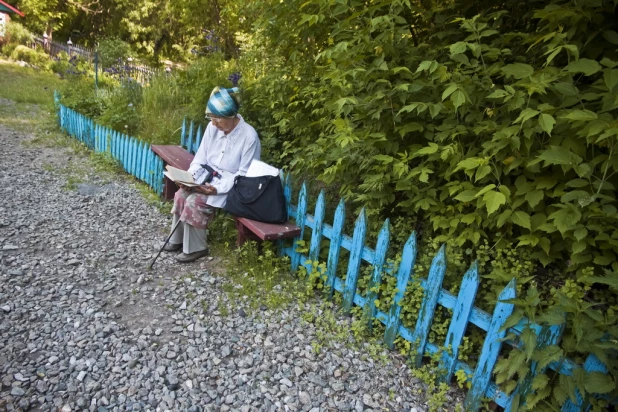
(175, 156)
(253, 230)
(247, 229)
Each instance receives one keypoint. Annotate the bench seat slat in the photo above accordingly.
(270, 231)
(175, 156)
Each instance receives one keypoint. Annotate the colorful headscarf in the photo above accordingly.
(221, 103)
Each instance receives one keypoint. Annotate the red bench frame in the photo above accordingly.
(248, 229)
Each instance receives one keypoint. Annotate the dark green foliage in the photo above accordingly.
(112, 51)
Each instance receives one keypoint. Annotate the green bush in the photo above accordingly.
(28, 55)
(80, 94)
(121, 107)
(17, 34)
(112, 51)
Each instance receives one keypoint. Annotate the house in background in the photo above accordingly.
(6, 10)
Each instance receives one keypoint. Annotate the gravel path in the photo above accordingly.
(84, 326)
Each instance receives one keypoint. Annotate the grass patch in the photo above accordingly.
(26, 85)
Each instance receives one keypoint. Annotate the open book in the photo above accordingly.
(179, 176)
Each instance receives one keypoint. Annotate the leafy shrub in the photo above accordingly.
(112, 50)
(485, 133)
(28, 55)
(80, 94)
(121, 108)
(17, 34)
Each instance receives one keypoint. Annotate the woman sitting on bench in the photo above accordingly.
(228, 146)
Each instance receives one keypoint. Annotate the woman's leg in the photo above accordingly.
(196, 216)
(180, 198)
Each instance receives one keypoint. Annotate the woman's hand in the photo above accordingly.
(206, 189)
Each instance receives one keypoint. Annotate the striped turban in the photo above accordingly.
(221, 103)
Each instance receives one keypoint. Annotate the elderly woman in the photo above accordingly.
(228, 146)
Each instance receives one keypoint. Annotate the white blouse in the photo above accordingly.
(230, 155)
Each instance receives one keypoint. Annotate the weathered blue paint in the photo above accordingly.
(335, 247)
(316, 235)
(406, 266)
(592, 364)
(351, 279)
(491, 348)
(428, 306)
(546, 336)
(378, 268)
(459, 322)
(183, 129)
(198, 139)
(189, 141)
(300, 221)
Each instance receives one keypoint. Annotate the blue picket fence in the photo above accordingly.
(135, 155)
(137, 159)
(462, 305)
(191, 136)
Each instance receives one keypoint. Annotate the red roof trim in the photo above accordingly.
(12, 8)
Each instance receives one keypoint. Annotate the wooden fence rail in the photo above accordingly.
(133, 153)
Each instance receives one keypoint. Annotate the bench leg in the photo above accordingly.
(244, 234)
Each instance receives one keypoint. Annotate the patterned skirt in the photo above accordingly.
(191, 207)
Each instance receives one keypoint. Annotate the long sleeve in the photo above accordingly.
(251, 150)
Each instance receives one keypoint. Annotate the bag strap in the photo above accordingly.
(242, 198)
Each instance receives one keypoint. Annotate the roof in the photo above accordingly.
(7, 8)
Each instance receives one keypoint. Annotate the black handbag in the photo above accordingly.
(259, 198)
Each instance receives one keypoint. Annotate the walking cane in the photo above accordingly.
(166, 240)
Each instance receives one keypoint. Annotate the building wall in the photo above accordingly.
(4, 19)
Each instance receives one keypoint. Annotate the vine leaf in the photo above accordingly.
(518, 70)
(493, 200)
(586, 66)
(558, 155)
(547, 122)
(521, 219)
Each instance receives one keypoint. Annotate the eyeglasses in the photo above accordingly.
(214, 118)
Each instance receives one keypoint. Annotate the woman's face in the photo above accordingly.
(225, 124)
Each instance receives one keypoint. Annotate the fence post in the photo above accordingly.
(433, 286)
(546, 336)
(378, 267)
(408, 259)
(335, 247)
(316, 234)
(356, 252)
(301, 211)
(491, 348)
(182, 131)
(459, 322)
(592, 364)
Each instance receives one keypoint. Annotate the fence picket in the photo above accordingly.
(356, 251)
(335, 247)
(198, 139)
(134, 153)
(378, 268)
(182, 132)
(408, 259)
(301, 211)
(491, 348)
(433, 286)
(316, 235)
(546, 336)
(459, 322)
(592, 364)
(189, 141)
